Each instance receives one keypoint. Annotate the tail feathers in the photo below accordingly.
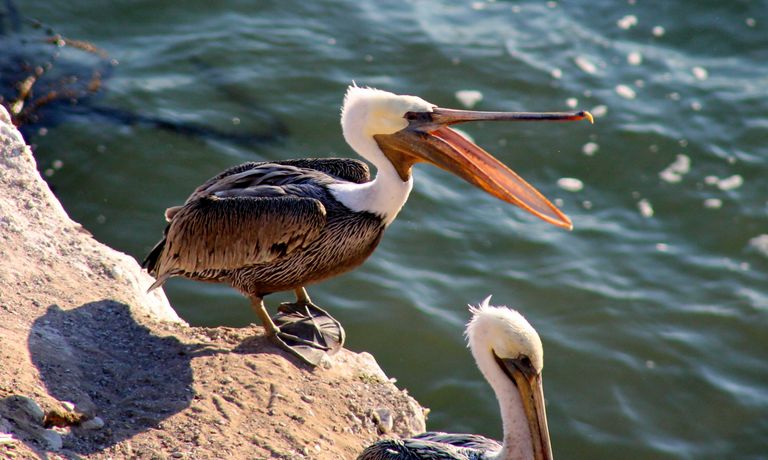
(150, 262)
(160, 280)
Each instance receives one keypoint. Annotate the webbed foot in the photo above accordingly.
(308, 330)
(302, 328)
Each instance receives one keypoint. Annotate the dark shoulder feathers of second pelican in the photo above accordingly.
(418, 449)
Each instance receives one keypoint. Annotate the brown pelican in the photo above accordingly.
(508, 352)
(280, 225)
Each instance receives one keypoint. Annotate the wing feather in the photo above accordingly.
(254, 173)
(348, 169)
(215, 233)
(248, 214)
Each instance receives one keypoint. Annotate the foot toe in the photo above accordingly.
(311, 325)
(308, 354)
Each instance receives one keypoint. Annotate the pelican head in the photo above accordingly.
(408, 130)
(508, 352)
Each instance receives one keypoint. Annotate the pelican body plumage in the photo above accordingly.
(297, 227)
(265, 227)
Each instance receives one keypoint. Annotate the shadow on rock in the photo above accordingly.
(262, 345)
(97, 357)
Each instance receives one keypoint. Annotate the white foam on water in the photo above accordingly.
(627, 22)
(675, 171)
(700, 73)
(713, 203)
(599, 111)
(570, 184)
(625, 91)
(760, 244)
(469, 97)
(711, 180)
(585, 65)
(730, 183)
(645, 208)
(590, 148)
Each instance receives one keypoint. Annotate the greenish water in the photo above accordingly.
(654, 326)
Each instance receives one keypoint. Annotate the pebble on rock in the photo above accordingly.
(52, 439)
(31, 407)
(383, 418)
(93, 424)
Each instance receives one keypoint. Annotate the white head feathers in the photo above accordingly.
(369, 111)
(505, 332)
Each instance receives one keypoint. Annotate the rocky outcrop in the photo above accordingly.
(92, 366)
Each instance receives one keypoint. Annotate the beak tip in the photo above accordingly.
(562, 221)
(589, 117)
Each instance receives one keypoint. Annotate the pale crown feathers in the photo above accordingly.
(504, 331)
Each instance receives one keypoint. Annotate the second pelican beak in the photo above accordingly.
(428, 138)
(528, 383)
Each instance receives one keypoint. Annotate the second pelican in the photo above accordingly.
(508, 352)
(275, 226)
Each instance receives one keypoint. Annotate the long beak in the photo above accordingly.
(451, 116)
(428, 138)
(529, 385)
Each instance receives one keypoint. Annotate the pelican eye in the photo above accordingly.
(418, 116)
(520, 364)
(526, 366)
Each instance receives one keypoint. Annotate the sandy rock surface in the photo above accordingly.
(91, 366)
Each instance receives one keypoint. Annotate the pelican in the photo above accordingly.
(508, 352)
(265, 227)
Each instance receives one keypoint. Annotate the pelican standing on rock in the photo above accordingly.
(265, 227)
(508, 352)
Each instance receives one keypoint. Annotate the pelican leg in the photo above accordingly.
(311, 323)
(307, 351)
